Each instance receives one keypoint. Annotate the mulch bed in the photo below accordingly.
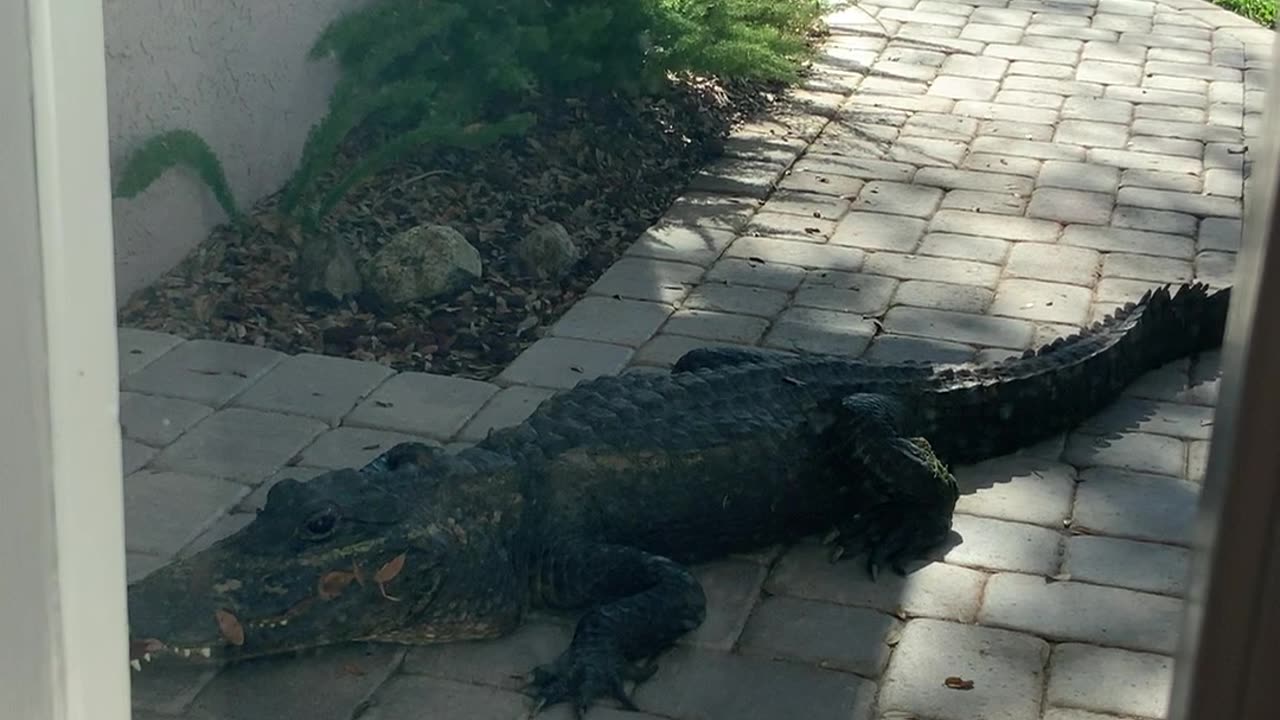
(606, 168)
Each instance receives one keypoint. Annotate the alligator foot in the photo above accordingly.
(908, 492)
(637, 606)
(586, 673)
(892, 534)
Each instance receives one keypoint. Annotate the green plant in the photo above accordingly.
(454, 72)
(158, 154)
(465, 73)
(1262, 12)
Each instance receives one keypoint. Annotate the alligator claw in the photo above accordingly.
(887, 535)
(582, 675)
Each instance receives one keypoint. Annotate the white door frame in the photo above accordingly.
(63, 635)
(1229, 647)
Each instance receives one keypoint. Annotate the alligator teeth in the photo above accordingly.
(146, 657)
(135, 664)
(186, 652)
(206, 652)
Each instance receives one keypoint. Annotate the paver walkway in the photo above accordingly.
(960, 180)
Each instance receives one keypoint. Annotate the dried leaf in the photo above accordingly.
(354, 669)
(388, 572)
(230, 628)
(956, 683)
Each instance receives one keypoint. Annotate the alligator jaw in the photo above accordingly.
(145, 651)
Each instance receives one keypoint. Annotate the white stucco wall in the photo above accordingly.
(234, 71)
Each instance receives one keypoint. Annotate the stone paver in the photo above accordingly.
(401, 404)
(203, 371)
(239, 444)
(1081, 612)
(1110, 680)
(318, 386)
(953, 182)
(1006, 670)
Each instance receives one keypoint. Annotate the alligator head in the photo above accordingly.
(409, 556)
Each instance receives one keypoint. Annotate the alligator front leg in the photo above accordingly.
(640, 604)
(907, 495)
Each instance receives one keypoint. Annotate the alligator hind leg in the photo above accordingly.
(639, 605)
(906, 494)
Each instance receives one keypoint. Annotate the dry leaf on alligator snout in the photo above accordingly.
(388, 572)
(231, 629)
(332, 584)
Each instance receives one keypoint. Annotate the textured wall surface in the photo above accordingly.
(234, 71)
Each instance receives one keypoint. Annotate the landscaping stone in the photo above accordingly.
(422, 263)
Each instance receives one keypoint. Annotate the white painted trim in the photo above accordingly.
(62, 607)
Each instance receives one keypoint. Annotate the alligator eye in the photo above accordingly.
(320, 524)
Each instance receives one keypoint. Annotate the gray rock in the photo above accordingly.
(548, 251)
(327, 270)
(422, 262)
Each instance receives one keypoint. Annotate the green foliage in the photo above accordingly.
(421, 73)
(162, 152)
(1262, 12)
(464, 73)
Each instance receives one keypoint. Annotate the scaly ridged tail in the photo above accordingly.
(996, 409)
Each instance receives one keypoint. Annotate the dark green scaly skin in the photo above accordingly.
(600, 500)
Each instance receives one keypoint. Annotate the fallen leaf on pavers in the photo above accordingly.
(957, 683)
(354, 669)
(231, 629)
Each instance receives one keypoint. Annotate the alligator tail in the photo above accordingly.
(996, 409)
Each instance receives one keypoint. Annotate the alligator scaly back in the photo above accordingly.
(989, 410)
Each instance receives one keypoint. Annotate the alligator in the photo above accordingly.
(601, 500)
